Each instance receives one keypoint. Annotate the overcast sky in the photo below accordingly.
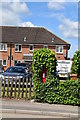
(59, 17)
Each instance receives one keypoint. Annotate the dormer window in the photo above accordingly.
(53, 39)
(31, 48)
(25, 38)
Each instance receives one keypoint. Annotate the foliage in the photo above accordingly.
(69, 92)
(44, 58)
(52, 91)
(76, 63)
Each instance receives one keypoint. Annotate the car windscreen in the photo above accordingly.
(16, 70)
(21, 64)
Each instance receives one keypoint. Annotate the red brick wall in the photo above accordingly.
(25, 50)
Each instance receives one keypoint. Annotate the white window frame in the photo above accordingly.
(3, 47)
(45, 46)
(59, 49)
(17, 61)
(29, 47)
(2, 62)
(18, 48)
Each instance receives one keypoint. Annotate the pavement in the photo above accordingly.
(14, 106)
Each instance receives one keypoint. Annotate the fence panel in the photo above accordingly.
(17, 88)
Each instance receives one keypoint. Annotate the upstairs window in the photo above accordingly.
(59, 49)
(31, 47)
(3, 47)
(45, 46)
(18, 48)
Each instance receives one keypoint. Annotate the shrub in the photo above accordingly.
(44, 58)
(69, 92)
(76, 63)
(52, 91)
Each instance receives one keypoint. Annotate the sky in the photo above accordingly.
(60, 17)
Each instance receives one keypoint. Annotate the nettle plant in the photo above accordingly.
(44, 58)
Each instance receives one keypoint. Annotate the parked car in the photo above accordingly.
(15, 72)
(28, 66)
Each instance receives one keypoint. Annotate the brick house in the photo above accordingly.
(18, 43)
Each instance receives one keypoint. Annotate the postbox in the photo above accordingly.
(43, 75)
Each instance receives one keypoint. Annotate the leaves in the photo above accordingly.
(53, 91)
(76, 63)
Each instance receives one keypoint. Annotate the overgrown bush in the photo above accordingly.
(69, 92)
(76, 63)
(44, 58)
(52, 91)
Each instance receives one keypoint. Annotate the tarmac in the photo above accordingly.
(14, 106)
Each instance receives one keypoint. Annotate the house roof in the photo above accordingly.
(34, 35)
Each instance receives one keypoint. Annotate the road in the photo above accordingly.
(27, 109)
(8, 115)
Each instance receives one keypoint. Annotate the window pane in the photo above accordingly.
(15, 61)
(61, 49)
(19, 47)
(16, 47)
(5, 47)
(57, 49)
(4, 62)
(1, 46)
(31, 47)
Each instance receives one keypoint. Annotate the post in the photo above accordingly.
(26, 87)
(10, 52)
(30, 87)
(23, 88)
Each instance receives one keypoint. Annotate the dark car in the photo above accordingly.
(28, 66)
(22, 64)
(16, 73)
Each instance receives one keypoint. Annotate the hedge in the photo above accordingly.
(52, 91)
(76, 63)
(43, 59)
(67, 92)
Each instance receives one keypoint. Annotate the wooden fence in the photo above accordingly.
(17, 88)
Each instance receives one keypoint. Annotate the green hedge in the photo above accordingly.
(52, 91)
(67, 92)
(43, 58)
(76, 63)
